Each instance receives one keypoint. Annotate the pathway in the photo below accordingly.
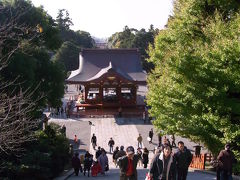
(124, 132)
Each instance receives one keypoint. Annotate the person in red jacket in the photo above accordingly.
(96, 168)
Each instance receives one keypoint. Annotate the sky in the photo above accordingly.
(102, 18)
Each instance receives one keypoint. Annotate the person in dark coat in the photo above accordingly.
(227, 159)
(163, 166)
(111, 144)
(76, 164)
(139, 152)
(173, 140)
(87, 155)
(128, 165)
(150, 134)
(98, 152)
(87, 164)
(183, 160)
(114, 155)
(94, 141)
(145, 157)
(120, 153)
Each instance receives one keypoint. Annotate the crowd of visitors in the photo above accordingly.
(86, 163)
(165, 164)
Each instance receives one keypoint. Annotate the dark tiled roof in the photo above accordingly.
(93, 63)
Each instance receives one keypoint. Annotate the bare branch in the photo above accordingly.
(17, 124)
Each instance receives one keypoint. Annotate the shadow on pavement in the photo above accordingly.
(130, 121)
(112, 174)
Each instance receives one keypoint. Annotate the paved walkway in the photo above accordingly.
(113, 174)
(124, 132)
(121, 131)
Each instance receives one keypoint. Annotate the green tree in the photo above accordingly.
(16, 104)
(72, 39)
(68, 55)
(132, 38)
(30, 65)
(79, 38)
(63, 20)
(194, 90)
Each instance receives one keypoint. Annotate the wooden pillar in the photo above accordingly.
(134, 91)
(86, 93)
(101, 94)
(119, 95)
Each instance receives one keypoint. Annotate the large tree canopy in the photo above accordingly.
(132, 38)
(30, 65)
(194, 90)
(16, 105)
(28, 79)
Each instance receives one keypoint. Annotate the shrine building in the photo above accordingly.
(109, 78)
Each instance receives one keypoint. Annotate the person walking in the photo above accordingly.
(87, 164)
(111, 144)
(120, 153)
(76, 164)
(163, 165)
(227, 159)
(128, 165)
(173, 140)
(139, 152)
(87, 154)
(114, 155)
(150, 135)
(103, 161)
(94, 141)
(98, 152)
(75, 140)
(139, 139)
(145, 157)
(183, 160)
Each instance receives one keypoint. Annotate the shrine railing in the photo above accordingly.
(199, 161)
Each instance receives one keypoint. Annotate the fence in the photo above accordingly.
(199, 161)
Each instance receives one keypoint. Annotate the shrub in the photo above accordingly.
(45, 158)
